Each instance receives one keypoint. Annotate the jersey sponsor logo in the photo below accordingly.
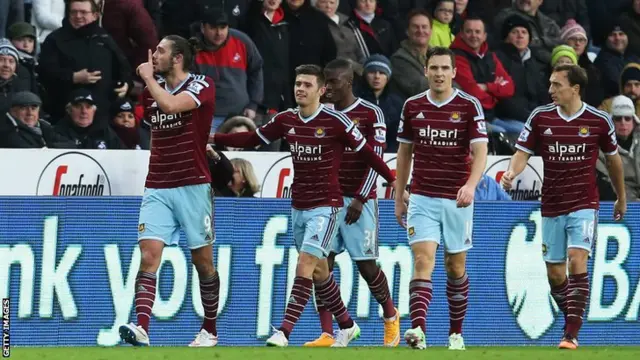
(320, 132)
(380, 135)
(439, 137)
(303, 152)
(524, 135)
(162, 121)
(564, 152)
(73, 174)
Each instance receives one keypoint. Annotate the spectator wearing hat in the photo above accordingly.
(528, 75)
(479, 72)
(82, 127)
(409, 62)
(82, 54)
(629, 87)
(630, 23)
(627, 128)
(133, 133)
(563, 55)
(10, 80)
(232, 60)
(47, 17)
(612, 59)
(268, 29)
(22, 127)
(574, 35)
(23, 36)
(545, 33)
(374, 88)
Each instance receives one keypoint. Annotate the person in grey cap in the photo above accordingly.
(22, 127)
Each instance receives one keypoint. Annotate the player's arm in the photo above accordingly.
(524, 149)
(267, 133)
(367, 154)
(609, 145)
(616, 172)
(403, 167)
(377, 140)
(479, 150)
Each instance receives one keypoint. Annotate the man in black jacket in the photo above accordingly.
(82, 54)
(82, 127)
(22, 128)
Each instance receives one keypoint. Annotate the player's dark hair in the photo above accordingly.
(184, 47)
(419, 12)
(339, 64)
(474, 18)
(575, 75)
(441, 51)
(310, 69)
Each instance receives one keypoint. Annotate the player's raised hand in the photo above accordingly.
(145, 70)
(507, 180)
(401, 212)
(465, 196)
(619, 209)
(353, 211)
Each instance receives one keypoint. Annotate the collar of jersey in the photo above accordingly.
(313, 116)
(567, 119)
(441, 104)
(177, 87)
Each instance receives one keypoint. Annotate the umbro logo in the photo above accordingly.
(548, 132)
(420, 116)
(292, 131)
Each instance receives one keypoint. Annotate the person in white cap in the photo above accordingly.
(627, 127)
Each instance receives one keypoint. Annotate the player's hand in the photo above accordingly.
(619, 209)
(401, 212)
(353, 211)
(507, 180)
(145, 70)
(405, 197)
(212, 153)
(212, 138)
(465, 196)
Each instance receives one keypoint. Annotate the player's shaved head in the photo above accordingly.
(339, 77)
(340, 67)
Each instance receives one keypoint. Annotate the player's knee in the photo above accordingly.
(368, 269)
(423, 261)
(578, 260)
(306, 265)
(150, 260)
(556, 273)
(455, 269)
(204, 269)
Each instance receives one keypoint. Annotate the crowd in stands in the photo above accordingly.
(67, 67)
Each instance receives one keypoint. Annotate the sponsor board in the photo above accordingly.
(71, 277)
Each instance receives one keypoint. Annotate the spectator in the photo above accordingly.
(179, 15)
(528, 75)
(627, 127)
(237, 11)
(343, 35)
(234, 125)
(409, 62)
(563, 11)
(563, 55)
(575, 36)
(81, 126)
(630, 87)
(11, 11)
(22, 127)
(612, 59)
(310, 39)
(232, 60)
(489, 190)
(82, 54)
(23, 36)
(480, 73)
(442, 16)
(10, 81)
(244, 182)
(375, 34)
(377, 72)
(268, 30)
(545, 33)
(220, 168)
(602, 14)
(47, 17)
(132, 28)
(133, 134)
(630, 24)
(462, 11)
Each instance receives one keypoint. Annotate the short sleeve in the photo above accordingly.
(405, 132)
(476, 122)
(202, 90)
(271, 131)
(378, 135)
(527, 139)
(353, 136)
(608, 140)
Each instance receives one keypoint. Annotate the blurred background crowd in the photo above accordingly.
(67, 67)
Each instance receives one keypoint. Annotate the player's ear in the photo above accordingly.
(322, 89)
(454, 73)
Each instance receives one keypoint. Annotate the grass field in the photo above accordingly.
(296, 353)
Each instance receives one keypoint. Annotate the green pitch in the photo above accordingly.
(297, 353)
